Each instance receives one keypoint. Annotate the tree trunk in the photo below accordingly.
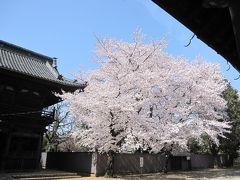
(165, 170)
(216, 163)
(167, 151)
(214, 152)
(110, 161)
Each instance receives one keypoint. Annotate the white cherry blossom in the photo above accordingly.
(142, 97)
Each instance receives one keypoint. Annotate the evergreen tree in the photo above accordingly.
(230, 145)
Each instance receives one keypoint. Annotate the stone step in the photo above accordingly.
(46, 174)
(42, 175)
(49, 177)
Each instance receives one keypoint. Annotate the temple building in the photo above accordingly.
(28, 81)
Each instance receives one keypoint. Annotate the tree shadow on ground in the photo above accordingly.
(197, 174)
(212, 173)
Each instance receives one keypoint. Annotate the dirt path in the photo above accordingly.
(213, 174)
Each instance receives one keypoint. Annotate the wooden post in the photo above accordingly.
(5, 152)
(38, 153)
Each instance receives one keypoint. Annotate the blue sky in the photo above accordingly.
(66, 29)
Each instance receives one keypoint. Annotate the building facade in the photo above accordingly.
(28, 81)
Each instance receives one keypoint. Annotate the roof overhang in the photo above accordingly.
(53, 86)
(215, 22)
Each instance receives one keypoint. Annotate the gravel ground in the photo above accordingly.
(213, 174)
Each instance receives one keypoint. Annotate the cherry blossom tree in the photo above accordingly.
(141, 97)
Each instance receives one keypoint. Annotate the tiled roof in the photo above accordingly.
(20, 60)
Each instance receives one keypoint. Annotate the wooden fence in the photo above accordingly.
(94, 163)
